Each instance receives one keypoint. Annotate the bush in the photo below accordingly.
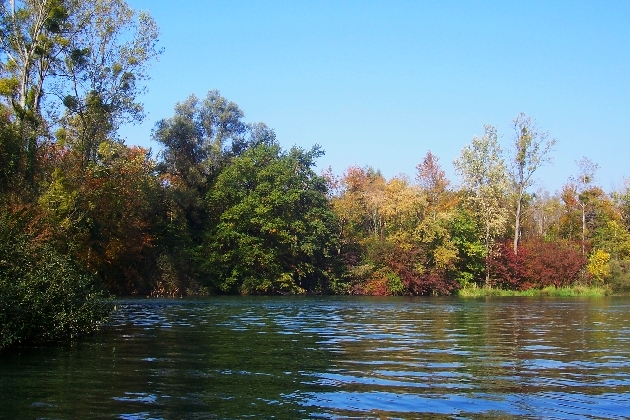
(538, 264)
(43, 295)
(619, 279)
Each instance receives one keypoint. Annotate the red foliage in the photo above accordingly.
(508, 269)
(538, 264)
(432, 283)
(554, 263)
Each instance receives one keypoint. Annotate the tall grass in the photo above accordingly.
(571, 291)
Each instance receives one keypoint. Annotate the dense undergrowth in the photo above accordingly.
(44, 296)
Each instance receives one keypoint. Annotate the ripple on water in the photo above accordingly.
(290, 358)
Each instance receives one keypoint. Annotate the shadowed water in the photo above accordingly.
(330, 357)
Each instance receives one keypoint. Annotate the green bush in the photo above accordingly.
(43, 295)
(619, 279)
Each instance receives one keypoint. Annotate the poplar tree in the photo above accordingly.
(531, 151)
(484, 175)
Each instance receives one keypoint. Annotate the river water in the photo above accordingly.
(330, 357)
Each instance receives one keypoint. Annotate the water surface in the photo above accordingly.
(330, 357)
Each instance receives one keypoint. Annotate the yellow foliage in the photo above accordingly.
(598, 267)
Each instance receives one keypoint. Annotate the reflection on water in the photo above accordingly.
(334, 358)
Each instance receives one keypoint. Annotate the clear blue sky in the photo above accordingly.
(380, 83)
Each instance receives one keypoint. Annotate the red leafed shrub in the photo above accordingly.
(508, 270)
(433, 284)
(553, 263)
(538, 264)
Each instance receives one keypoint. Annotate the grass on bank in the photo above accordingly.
(570, 291)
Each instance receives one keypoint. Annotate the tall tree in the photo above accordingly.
(104, 71)
(199, 136)
(531, 151)
(90, 56)
(582, 185)
(33, 38)
(199, 140)
(432, 181)
(484, 175)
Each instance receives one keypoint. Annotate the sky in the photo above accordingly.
(380, 83)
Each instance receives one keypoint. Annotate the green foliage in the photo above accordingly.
(619, 279)
(11, 154)
(271, 229)
(43, 295)
(470, 264)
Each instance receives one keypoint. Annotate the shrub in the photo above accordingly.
(538, 264)
(43, 295)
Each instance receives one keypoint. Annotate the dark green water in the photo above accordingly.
(289, 358)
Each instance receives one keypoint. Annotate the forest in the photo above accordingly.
(223, 208)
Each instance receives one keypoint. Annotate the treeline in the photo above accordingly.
(223, 208)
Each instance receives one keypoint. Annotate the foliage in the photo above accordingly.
(484, 176)
(272, 230)
(619, 279)
(11, 154)
(531, 149)
(105, 216)
(44, 295)
(598, 265)
(88, 58)
(539, 264)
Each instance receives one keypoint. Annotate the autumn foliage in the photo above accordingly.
(538, 264)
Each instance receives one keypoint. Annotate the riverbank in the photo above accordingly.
(571, 291)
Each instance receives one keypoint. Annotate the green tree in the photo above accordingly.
(102, 74)
(271, 230)
(199, 140)
(87, 57)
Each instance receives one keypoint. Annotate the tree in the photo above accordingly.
(432, 181)
(89, 56)
(105, 216)
(271, 229)
(546, 214)
(484, 175)
(102, 75)
(582, 183)
(32, 39)
(199, 137)
(531, 150)
(30, 36)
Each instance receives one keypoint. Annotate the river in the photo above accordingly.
(333, 357)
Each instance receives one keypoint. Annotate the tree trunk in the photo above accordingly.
(517, 223)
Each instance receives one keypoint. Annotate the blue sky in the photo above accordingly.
(380, 83)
